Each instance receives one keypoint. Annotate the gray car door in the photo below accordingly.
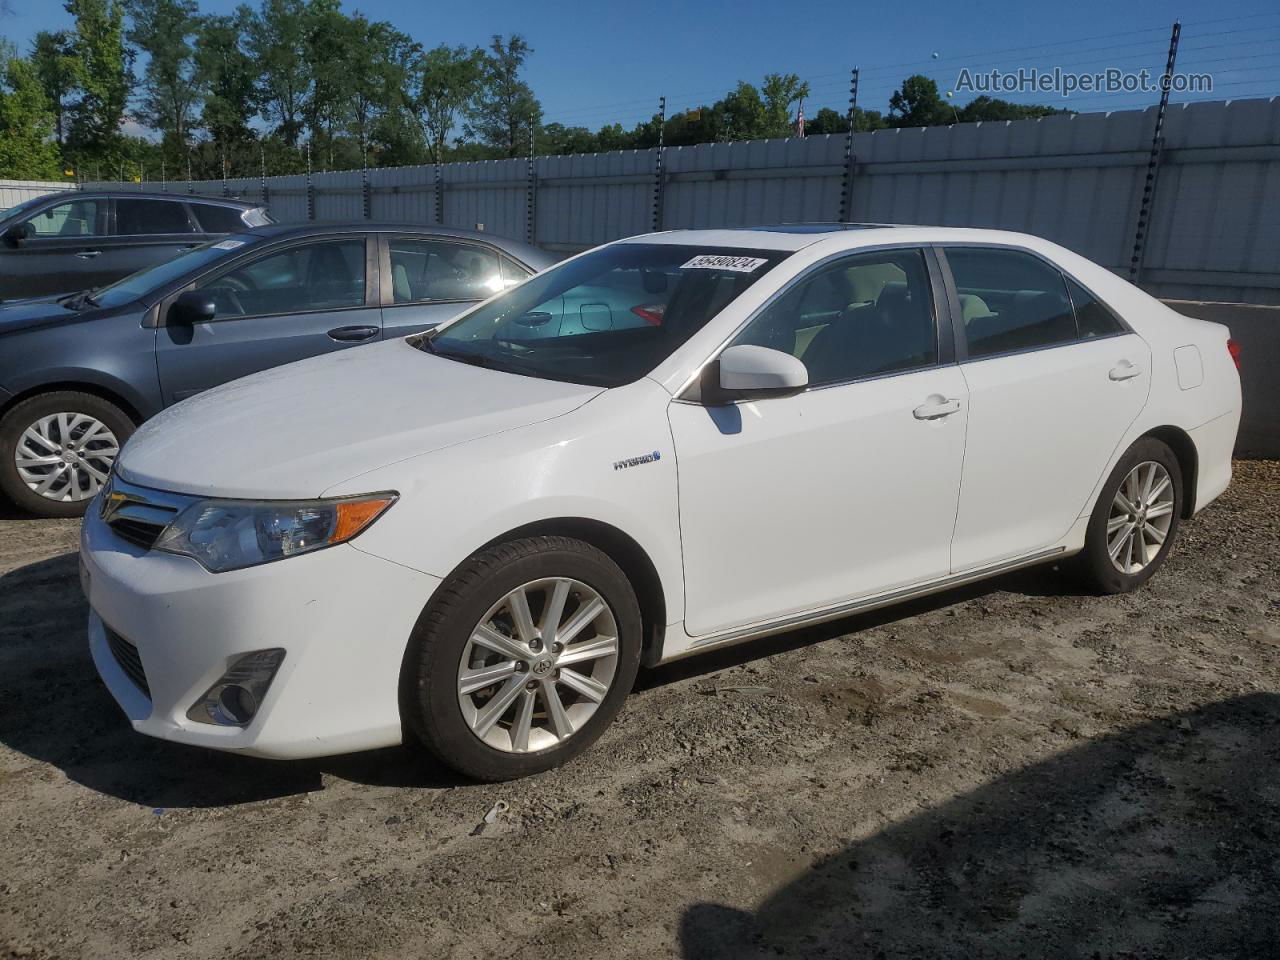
(291, 301)
(147, 231)
(429, 280)
(61, 252)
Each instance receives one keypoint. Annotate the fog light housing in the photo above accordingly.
(234, 700)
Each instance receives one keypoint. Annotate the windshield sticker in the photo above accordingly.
(228, 244)
(708, 261)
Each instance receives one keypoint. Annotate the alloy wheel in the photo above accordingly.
(66, 457)
(538, 665)
(1141, 514)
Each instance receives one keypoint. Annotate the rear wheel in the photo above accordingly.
(524, 657)
(57, 449)
(1135, 520)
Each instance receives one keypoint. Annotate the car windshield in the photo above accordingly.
(139, 284)
(606, 318)
(18, 208)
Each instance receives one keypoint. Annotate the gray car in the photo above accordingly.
(64, 242)
(79, 372)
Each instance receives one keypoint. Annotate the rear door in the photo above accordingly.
(429, 280)
(292, 301)
(147, 231)
(62, 252)
(1054, 380)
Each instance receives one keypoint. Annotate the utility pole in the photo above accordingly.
(846, 184)
(658, 191)
(1153, 161)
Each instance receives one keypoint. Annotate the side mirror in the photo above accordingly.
(755, 373)
(16, 235)
(193, 306)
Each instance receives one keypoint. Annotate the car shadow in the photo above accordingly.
(1045, 580)
(55, 709)
(1161, 840)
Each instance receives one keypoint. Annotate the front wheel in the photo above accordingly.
(57, 449)
(1135, 520)
(523, 658)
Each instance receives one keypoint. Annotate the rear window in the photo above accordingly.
(606, 318)
(216, 219)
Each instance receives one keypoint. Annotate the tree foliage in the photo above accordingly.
(27, 149)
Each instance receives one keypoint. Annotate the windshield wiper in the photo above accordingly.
(78, 301)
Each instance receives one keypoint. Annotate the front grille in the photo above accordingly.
(138, 532)
(126, 655)
(138, 515)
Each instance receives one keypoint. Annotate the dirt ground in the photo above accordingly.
(1008, 770)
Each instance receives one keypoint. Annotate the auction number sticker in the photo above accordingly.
(708, 261)
(228, 244)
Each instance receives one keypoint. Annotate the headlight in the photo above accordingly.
(230, 534)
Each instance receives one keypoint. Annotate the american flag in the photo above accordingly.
(800, 120)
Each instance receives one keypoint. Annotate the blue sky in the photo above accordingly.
(596, 63)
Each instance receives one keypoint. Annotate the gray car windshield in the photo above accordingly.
(606, 318)
(138, 285)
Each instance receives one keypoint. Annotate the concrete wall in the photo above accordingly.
(1257, 330)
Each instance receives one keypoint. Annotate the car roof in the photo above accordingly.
(527, 254)
(796, 236)
(156, 195)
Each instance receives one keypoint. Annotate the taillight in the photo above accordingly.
(1233, 348)
(650, 313)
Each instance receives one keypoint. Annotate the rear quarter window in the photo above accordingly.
(215, 219)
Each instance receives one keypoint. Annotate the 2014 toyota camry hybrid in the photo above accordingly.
(665, 445)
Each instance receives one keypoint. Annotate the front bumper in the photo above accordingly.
(342, 616)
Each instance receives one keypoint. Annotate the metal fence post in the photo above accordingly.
(262, 161)
(659, 173)
(437, 173)
(364, 182)
(846, 180)
(311, 190)
(1143, 228)
(531, 191)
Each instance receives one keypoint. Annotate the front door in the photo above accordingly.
(62, 252)
(286, 304)
(846, 490)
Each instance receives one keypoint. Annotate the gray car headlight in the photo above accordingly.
(231, 534)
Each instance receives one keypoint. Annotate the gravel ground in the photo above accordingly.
(1008, 770)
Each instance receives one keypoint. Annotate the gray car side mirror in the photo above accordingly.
(16, 235)
(748, 372)
(193, 306)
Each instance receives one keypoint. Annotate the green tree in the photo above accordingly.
(277, 42)
(450, 79)
(228, 76)
(989, 108)
(378, 63)
(328, 37)
(103, 78)
(779, 91)
(53, 57)
(917, 104)
(502, 112)
(746, 117)
(829, 121)
(164, 31)
(27, 150)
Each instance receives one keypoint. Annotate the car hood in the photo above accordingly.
(16, 315)
(295, 431)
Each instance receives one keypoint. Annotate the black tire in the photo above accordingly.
(1094, 565)
(28, 412)
(430, 704)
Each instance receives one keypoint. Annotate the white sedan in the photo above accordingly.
(475, 536)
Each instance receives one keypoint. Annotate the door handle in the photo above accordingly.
(353, 334)
(88, 254)
(1124, 370)
(936, 407)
